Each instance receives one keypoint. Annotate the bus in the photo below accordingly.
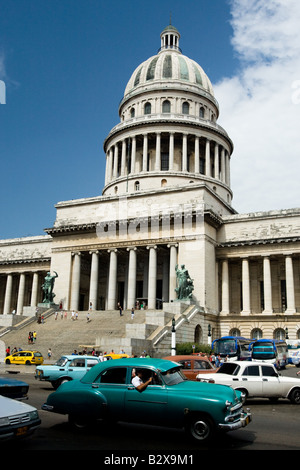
(233, 348)
(272, 351)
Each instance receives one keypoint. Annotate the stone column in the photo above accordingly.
(116, 157)
(245, 287)
(75, 281)
(223, 172)
(123, 158)
(112, 281)
(133, 154)
(34, 291)
(157, 152)
(145, 152)
(21, 293)
(172, 275)
(131, 297)
(225, 288)
(217, 170)
(184, 152)
(171, 151)
(93, 295)
(227, 163)
(290, 288)
(267, 286)
(152, 277)
(110, 165)
(207, 158)
(197, 161)
(8, 292)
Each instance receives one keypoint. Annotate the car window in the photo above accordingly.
(115, 375)
(92, 362)
(268, 371)
(251, 371)
(173, 376)
(185, 364)
(146, 374)
(229, 368)
(61, 362)
(78, 363)
(37, 354)
(204, 365)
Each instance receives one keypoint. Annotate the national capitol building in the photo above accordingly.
(165, 209)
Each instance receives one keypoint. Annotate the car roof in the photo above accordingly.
(75, 356)
(187, 357)
(249, 363)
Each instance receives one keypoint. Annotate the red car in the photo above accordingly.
(193, 365)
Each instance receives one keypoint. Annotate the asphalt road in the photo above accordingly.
(274, 427)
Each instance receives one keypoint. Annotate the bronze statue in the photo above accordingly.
(185, 285)
(48, 288)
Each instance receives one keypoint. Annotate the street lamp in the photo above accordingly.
(286, 333)
(209, 335)
(173, 344)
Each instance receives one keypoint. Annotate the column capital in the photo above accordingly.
(134, 248)
(170, 245)
(76, 253)
(95, 252)
(151, 246)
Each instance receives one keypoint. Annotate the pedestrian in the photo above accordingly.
(91, 306)
(76, 316)
(66, 314)
(88, 317)
(34, 336)
(49, 353)
(8, 351)
(132, 313)
(43, 320)
(61, 314)
(73, 315)
(120, 309)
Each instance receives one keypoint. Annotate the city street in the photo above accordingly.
(274, 427)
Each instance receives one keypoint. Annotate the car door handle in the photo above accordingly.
(265, 380)
(244, 379)
(235, 379)
(131, 387)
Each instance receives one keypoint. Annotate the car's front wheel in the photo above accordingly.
(200, 427)
(295, 396)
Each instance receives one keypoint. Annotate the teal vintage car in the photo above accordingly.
(68, 367)
(107, 392)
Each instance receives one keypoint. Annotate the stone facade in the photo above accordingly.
(167, 201)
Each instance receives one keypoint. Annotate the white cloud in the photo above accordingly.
(260, 105)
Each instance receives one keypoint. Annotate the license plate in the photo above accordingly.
(21, 431)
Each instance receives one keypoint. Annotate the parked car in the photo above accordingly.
(25, 357)
(65, 369)
(193, 365)
(17, 419)
(255, 379)
(294, 357)
(106, 392)
(13, 388)
(108, 357)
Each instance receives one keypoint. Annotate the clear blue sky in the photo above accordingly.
(65, 64)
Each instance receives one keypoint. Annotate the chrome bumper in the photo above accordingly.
(244, 420)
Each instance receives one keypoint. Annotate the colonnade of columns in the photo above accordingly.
(268, 309)
(150, 277)
(9, 301)
(121, 158)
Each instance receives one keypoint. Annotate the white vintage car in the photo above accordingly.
(17, 419)
(255, 380)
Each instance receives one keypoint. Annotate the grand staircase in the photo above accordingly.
(149, 330)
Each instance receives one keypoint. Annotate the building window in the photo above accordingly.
(163, 183)
(202, 112)
(147, 108)
(185, 108)
(132, 112)
(166, 107)
(164, 162)
(137, 186)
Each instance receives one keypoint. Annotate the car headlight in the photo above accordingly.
(4, 421)
(33, 414)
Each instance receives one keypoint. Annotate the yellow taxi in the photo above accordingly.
(25, 357)
(114, 356)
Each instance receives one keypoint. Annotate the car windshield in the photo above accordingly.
(229, 368)
(61, 362)
(173, 376)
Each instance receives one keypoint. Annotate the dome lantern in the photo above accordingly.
(170, 39)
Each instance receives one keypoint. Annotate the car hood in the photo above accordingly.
(8, 406)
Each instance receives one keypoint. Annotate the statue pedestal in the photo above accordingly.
(177, 306)
(48, 305)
